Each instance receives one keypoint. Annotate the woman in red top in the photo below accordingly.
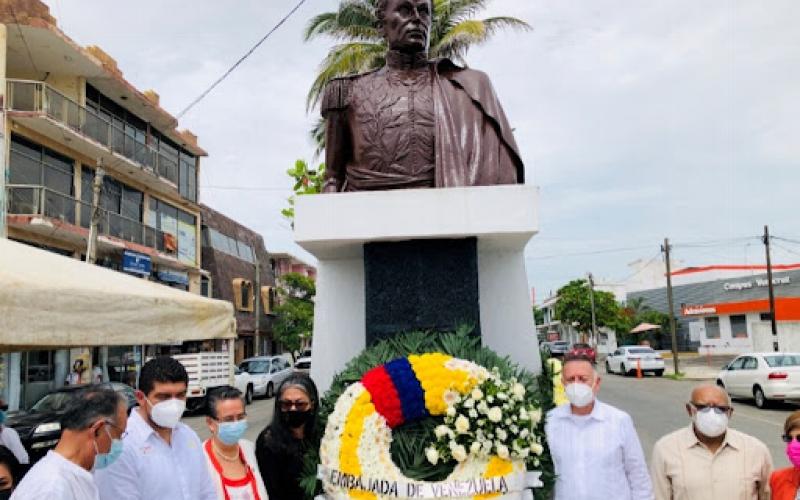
(784, 483)
(231, 459)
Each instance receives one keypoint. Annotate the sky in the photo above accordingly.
(637, 120)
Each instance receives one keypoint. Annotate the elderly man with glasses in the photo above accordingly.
(708, 460)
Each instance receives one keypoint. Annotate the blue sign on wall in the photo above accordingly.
(136, 263)
(170, 276)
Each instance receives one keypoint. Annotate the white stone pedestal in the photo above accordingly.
(334, 228)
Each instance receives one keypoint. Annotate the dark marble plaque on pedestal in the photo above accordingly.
(420, 285)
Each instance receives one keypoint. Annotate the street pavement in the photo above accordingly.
(259, 415)
(657, 406)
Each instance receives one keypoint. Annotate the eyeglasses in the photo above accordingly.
(719, 410)
(122, 432)
(299, 405)
(788, 439)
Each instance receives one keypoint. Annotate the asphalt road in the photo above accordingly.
(657, 406)
(259, 415)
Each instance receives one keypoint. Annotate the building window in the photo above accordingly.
(179, 230)
(243, 295)
(765, 317)
(230, 246)
(268, 299)
(205, 286)
(34, 165)
(712, 327)
(739, 326)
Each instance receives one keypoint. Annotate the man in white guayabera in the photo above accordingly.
(163, 458)
(595, 449)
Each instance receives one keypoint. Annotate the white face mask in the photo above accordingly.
(167, 413)
(710, 423)
(579, 394)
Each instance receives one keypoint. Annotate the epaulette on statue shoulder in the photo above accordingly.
(336, 93)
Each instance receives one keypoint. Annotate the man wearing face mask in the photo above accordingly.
(92, 427)
(163, 458)
(595, 449)
(707, 460)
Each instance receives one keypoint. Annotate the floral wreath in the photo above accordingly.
(489, 429)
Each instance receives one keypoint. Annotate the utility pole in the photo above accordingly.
(666, 248)
(591, 300)
(257, 332)
(770, 287)
(97, 186)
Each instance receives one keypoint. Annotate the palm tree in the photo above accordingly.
(362, 48)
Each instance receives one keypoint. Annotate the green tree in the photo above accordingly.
(361, 47)
(574, 307)
(538, 316)
(306, 181)
(294, 316)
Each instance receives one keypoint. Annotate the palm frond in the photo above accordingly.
(459, 38)
(320, 25)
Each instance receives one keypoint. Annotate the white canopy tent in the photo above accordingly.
(49, 301)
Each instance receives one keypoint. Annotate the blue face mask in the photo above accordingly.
(231, 432)
(103, 460)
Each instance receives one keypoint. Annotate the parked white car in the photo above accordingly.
(625, 359)
(244, 382)
(267, 373)
(763, 377)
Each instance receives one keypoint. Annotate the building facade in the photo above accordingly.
(724, 309)
(68, 116)
(239, 271)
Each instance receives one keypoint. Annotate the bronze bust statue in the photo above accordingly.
(415, 123)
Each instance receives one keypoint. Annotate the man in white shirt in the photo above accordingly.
(10, 439)
(163, 458)
(92, 426)
(595, 449)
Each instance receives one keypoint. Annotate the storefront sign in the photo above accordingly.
(697, 310)
(136, 263)
(170, 276)
(760, 283)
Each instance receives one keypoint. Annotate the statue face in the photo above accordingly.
(406, 24)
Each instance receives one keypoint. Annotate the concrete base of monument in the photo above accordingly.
(335, 228)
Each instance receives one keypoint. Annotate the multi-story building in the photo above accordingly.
(284, 263)
(239, 271)
(67, 111)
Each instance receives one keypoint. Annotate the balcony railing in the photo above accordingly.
(45, 202)
(33, 96)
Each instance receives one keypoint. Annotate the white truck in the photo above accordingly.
(206, 370)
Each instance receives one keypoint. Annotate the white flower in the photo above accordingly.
(462, 424)
(523, 413)
(524, 433)
(535, 415)
(518, 390)
(502, 396)
(487, 447)
(459, 453)
(451, 397)
(502, 435)
(442, 430)
(483, 407)
(475, 447)
(495, 414)
(477, 394)
(472, 413)
(490, 399)
(451, 412)
(536, 448)
(432, 455)
(508, 421)
(502, 451)
(469, 403)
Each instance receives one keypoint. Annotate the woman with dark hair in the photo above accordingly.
(281, 446)
(10, 473)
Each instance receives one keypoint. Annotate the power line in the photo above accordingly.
(240, 61)
(787, 240)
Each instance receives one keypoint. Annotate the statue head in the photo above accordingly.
(406, 24)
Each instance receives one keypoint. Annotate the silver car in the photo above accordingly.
(266, 373)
